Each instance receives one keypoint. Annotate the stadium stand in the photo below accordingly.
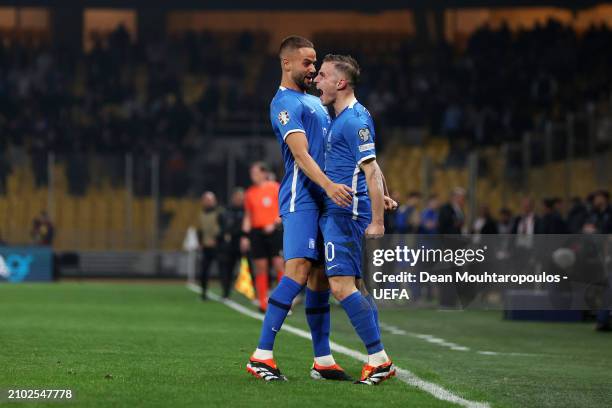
(174, 97)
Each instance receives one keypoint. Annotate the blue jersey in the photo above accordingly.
(292, 111)
(349, 143)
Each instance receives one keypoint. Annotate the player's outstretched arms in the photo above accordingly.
(373, 174)
(339, 193)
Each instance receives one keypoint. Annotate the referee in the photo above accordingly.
(262, 229)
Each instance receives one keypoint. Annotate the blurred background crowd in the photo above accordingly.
(507, 103)
(128, 96)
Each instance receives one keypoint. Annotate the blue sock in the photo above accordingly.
(279, 305)
(370, 300)
(362, 318)
(317, 315)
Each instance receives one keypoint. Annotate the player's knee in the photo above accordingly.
(360, 284)
(341, 287)
(317, 280)
(297, 269)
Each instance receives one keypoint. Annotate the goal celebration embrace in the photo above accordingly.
(332, 195)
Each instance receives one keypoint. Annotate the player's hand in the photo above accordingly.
(390, 204)
(340, 194)
(245, 245)
(268, 229)
(375, 230)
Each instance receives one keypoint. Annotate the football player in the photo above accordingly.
(300, 123)
(350, 158)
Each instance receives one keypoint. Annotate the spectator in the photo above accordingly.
(452, 217)
(43, 231)
(504, 226)
(406, 216)
(429, 216)
(209, 233)
(528, 223)
(525, 227)
(231, 231)
(577, 216)
(599, 219)
(484, 223)
(451, 220)
(552, 220)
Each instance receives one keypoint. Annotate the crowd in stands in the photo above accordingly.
(501, 85)
(123, 96)
(551, 216)
(554, 216)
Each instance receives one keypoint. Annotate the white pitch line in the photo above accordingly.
(443, 343)
(426, 337)
(404, 375)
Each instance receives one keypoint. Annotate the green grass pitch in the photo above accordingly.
(142, 345)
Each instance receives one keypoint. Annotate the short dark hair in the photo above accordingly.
(347, 65)
(294, 42)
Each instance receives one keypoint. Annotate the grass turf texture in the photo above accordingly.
(161, 346)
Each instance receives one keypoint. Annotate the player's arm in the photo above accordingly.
(360, 139)
(390, 203)
(374, 181)
(298, 144)
(384, 182)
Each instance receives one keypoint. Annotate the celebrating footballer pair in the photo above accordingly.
(332, 194)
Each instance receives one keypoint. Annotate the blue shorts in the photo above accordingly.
(343, 242)
(301, 235)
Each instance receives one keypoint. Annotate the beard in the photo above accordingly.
(300, 81)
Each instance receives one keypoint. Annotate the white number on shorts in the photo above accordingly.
(330, 251)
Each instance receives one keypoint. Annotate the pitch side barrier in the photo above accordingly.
(26, 264)
(518, 272)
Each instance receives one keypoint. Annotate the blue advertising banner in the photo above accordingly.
(26, 264)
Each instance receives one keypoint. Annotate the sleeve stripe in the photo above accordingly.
(369, 156)
(292, 131)
(365, 147)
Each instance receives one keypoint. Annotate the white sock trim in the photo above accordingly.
(378, 358)
(325, 361)
(263, 354)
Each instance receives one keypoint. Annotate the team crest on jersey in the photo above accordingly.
(283, 117)
(364, 134)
